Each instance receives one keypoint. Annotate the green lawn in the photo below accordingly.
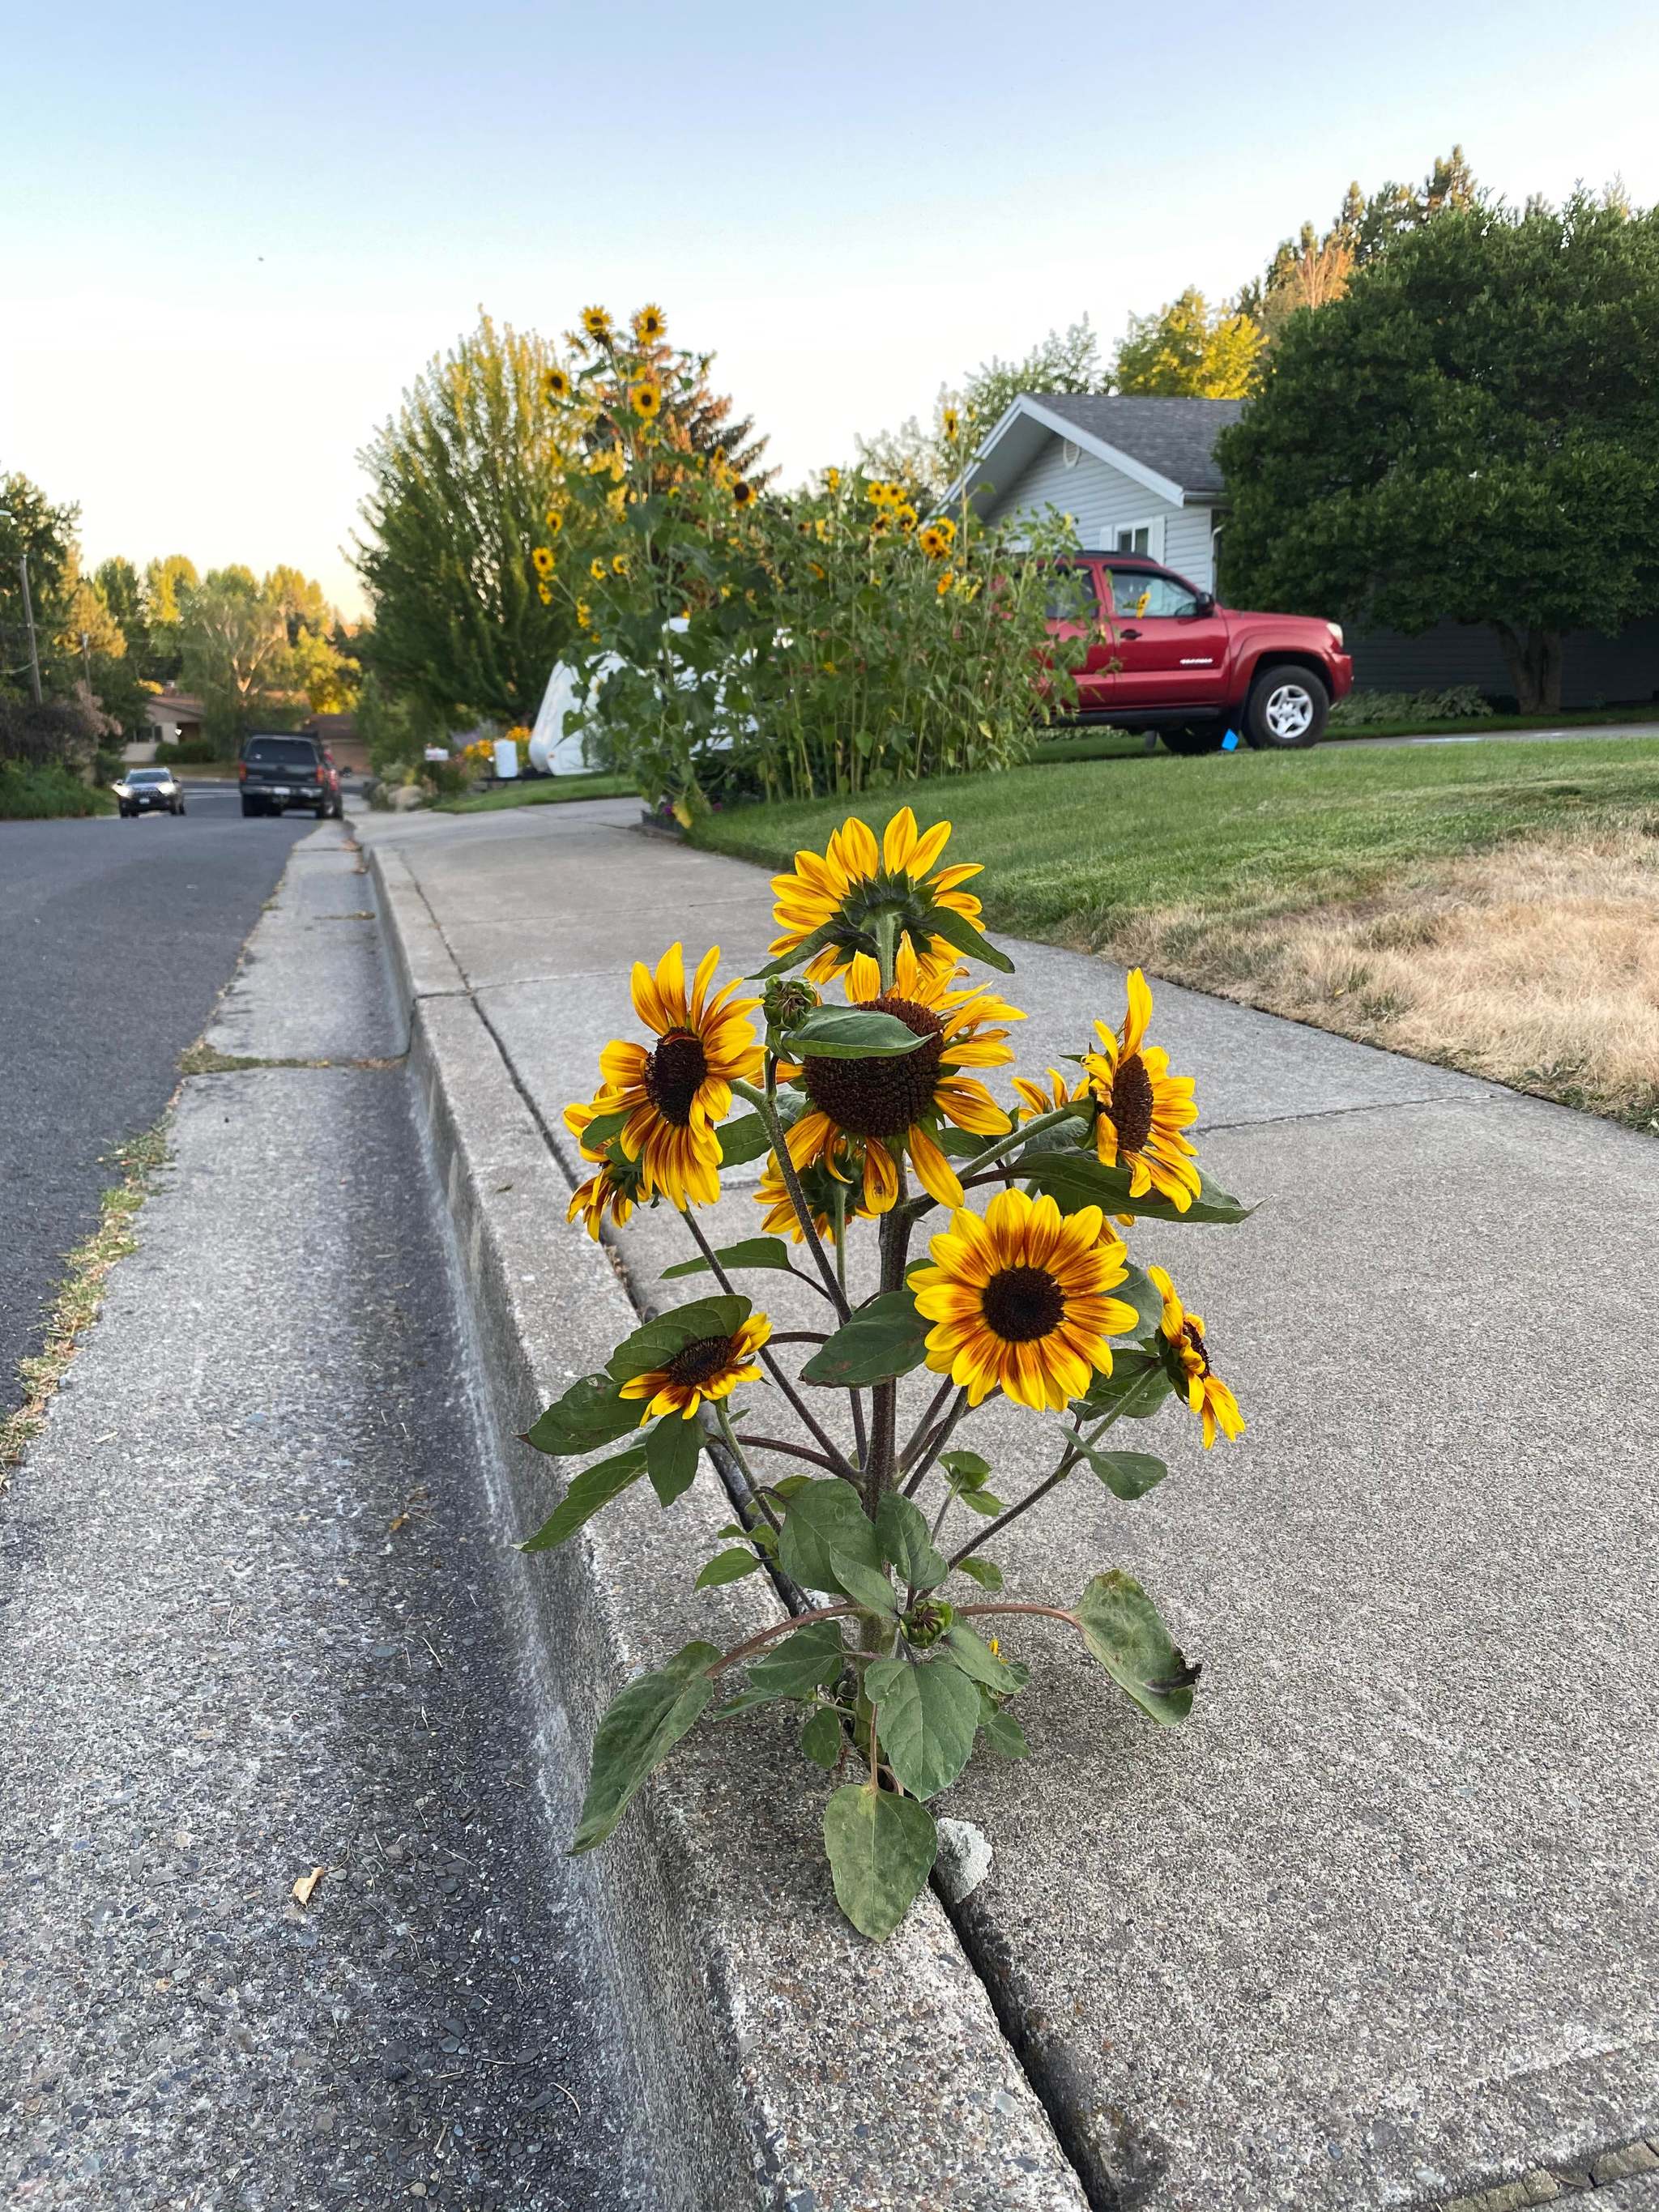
(541, 791)
(1074, 851)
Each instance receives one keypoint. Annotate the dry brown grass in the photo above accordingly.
(1537, 965)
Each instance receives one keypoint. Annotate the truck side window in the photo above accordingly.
(1146, 593)
(1071, 595)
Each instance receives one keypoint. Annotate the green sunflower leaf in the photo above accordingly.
(752, 1252)
(827, 932)
(727, 1567)
(825, 1517)
(881, 1852)
(852, 1033)
(906, 1542)
(925, 1716)
(637, 1733)
(589, 1414)
(966, 1469)
(1126, 1475)
(671, 1446)
(985, 1572)
(957, 930)
(1140, 1290)
(1002, 1731)
(603, 1126)
(885, 1338)
(811, 1659)
(975, 1658)
(866, 1586)
(655, 1343)
(979, 1500)
(1137, 1386)
(1076, 1179)
(595, 1486)
(823, 1738)
(741, 1142)
(1121, 1629)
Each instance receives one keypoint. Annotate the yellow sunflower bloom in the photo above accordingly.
(596, 321)
(1020, 1300)
(545, 594)
(934, 542)
(619, 564)
(832, 480)
(839, 1165)
(906, 517)
(946, 529)
(1035, 1100)
(584, 615)
(616, 1189)
(553, 521)
(649, 325)
(674, 1096)
(1141, 1108)
(1183, 1332)
(848, 886)
(597, 570)
(742, 493)
(711, 1368)
(541, 560)
(891, 1108)
(646, 399)
(950, 423)
(555, 385)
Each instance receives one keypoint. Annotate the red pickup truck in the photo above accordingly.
(1160, 654)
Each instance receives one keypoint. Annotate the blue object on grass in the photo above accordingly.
(1229, 743)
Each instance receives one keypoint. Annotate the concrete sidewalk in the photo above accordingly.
(1377, 1928)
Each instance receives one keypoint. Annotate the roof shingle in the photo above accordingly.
(1175, 437)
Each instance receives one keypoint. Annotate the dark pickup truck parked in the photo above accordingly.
(280, 772)
(1161, 654)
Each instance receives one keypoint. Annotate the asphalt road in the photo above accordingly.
(115, 939)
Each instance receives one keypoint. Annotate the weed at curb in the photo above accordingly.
(202, 1059)
(80, 1293)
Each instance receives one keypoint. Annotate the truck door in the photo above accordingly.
(1169, 653)
(1075, 612)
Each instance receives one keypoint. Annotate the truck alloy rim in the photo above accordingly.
(1288, 711)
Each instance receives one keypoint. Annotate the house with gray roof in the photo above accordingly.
(1139, 475)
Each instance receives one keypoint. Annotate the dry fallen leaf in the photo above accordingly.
(306, 1885)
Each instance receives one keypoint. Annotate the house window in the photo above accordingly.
(1146, 538)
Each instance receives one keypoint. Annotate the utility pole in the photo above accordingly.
(28, 617)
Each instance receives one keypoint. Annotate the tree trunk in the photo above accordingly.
(1534, 660)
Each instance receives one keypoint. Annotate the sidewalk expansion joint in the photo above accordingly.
(1336, 1113)
(1547, 2184)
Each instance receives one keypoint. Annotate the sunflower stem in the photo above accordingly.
(886, 934)
(884, 1399)
(1068, 1459)
(723, 1419)
(924, 1427)
(838, 1230)
(765, 1104)
(1021, 1134)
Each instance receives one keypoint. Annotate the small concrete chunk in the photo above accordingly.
(1620, 2165)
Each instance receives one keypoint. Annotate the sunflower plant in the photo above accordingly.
(961, 1251)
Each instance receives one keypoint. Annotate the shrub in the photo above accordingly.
(195, 752)
(42, 793)
(1458, 703)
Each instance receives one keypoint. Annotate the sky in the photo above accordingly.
(230, 238)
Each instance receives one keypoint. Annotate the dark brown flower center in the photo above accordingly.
(882, 1097)
(674, 1074)
(1131, 1103)
(699, 1362)
(1022, 1304)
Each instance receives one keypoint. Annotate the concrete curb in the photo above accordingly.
(787, 2063)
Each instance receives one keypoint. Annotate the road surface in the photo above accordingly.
(118, 938)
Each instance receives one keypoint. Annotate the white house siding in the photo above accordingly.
(1101, 500)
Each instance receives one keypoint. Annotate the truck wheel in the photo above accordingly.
(251, 807)
(1287, 710)
(1197, 738)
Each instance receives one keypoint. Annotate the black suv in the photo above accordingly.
(280, 772)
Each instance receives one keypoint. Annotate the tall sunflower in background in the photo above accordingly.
(878, 1111)
(1140, 1108)
(675, 1094)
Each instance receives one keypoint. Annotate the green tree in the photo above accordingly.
(1186, 351)
(461, 478)
(168, 583)
(120, 587)
(32, 526)
(1471, 433)
(236, 655)
(930, 459)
